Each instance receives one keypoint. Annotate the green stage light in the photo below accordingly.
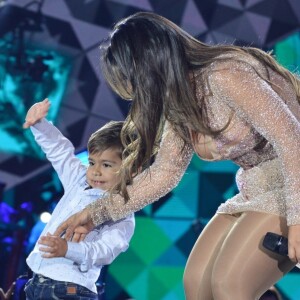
(287, 52)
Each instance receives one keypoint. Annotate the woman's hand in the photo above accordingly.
(294, 243)
(80, 233)
(36, 112)
(76, 227)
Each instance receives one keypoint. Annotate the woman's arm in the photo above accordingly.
(163, 175)
(148, 187)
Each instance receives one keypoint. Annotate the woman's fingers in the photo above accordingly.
(294, 243)
(78, 237)
(66, 228)
(69, 226)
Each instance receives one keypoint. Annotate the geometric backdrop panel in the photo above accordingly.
(152, 267)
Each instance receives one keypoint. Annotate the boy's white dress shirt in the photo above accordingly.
(83, 261)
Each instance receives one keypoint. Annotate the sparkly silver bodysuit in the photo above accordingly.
(262, 137)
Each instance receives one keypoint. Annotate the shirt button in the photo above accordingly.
(41, 280)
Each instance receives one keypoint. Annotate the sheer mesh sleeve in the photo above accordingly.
(164, 174)
(254, 100)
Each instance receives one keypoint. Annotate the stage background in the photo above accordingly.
(50, 49)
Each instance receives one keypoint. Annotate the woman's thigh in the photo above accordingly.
(197, 275)
(243, 268)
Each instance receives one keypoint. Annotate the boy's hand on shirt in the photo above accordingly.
(53, 246)
(36, 112)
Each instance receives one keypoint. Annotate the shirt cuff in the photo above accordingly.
(43, 123)
(75, 252)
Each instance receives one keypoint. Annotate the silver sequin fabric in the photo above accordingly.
(262, 137)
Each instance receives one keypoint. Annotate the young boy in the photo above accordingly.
(64, 269)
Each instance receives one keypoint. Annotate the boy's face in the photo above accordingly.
(103, 168)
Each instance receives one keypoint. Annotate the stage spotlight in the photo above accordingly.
(45, 217)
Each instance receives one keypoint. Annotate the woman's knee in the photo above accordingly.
(196, 283)
(186, 279)
(220, 283)
(230, 287)
(190, 279)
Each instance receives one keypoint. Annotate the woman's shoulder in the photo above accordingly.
(235, 60)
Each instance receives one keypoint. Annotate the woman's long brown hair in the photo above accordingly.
(149, 60)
